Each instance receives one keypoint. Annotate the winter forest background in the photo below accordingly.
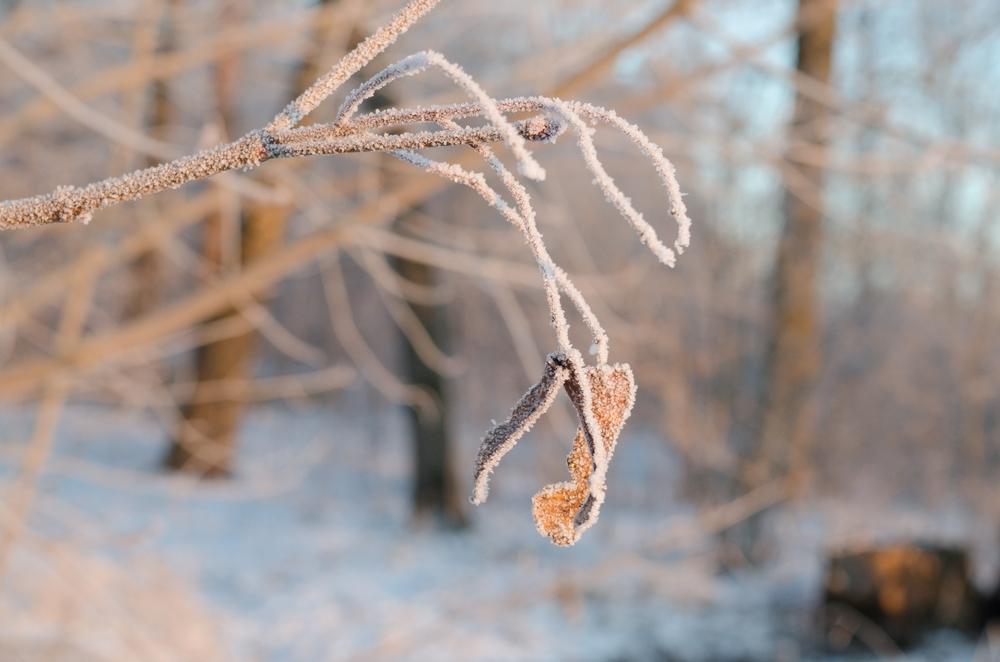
(258, 478)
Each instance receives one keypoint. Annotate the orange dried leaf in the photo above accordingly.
(564, 510)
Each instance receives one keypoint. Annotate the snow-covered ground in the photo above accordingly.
(309, 553)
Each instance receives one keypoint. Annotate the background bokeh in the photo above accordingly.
(262, 478)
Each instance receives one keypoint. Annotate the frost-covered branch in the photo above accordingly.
(72, 203)
(603, 393)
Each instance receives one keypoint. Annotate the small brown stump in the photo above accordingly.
(886, 598)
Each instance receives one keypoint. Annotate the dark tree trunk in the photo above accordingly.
(783, 431)
(205, 441)
(792, 361)
(435, 492)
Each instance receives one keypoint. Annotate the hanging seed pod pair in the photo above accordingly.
(602, 396)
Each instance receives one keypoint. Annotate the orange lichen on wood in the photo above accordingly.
(564, 510)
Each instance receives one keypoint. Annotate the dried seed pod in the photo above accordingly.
(526, 412)
(563, 511)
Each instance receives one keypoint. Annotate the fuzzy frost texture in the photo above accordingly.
(502, 438)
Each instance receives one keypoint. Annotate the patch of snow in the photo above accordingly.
(310, 553)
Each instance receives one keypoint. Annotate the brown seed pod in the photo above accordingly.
(565, 510)
(503, 437)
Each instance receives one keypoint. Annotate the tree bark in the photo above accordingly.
(792, 360)
(435, 490)
(782, 438)
(205, 441)
(206, 437)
